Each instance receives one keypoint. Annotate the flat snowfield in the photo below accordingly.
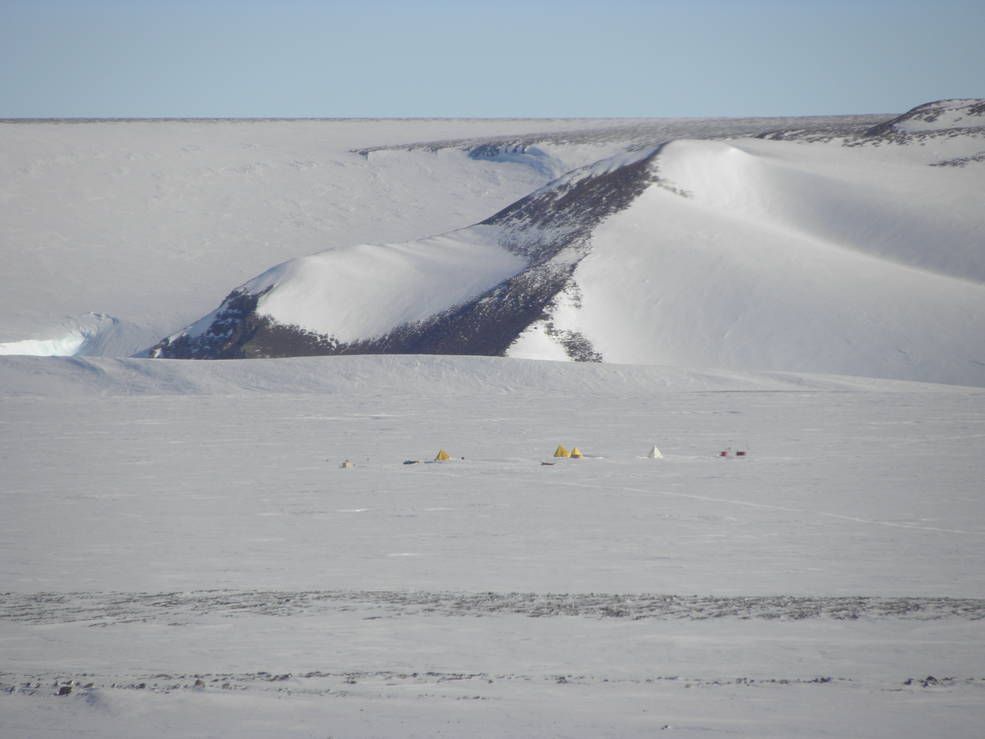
(182, 554)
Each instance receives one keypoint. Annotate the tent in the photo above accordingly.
(655, 454)
(561, 451)
(442, 456)
(576, 453)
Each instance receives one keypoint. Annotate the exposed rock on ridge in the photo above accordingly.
(550, 229)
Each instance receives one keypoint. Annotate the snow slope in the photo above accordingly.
(761, 255)
(150, 223)
(181, 552)
(802, 252)
(936, 119)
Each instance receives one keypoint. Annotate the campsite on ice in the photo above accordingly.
(630, 544)
(840, 567)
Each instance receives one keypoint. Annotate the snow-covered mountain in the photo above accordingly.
(844, 251)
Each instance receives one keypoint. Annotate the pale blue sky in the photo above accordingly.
(137, 58)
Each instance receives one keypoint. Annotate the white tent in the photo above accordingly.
(654, 454)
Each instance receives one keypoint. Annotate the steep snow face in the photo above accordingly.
(889, 206)
(783, 255)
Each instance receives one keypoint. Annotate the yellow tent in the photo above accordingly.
(442, 456)
(561, 451)
(576, 453)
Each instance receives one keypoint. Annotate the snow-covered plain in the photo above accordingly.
(169, 522)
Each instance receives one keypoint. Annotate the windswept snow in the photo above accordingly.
(840, 254)
(330, 293)
(153, 222)
(884, 205)
(90, 334)
(180, 547)
(938, 116)
(753, 258)
(63, 346)
(183, 554)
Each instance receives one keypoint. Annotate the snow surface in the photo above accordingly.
(182, 555)
(63, 346)
(88, 334)
(329, 292)
(846, 255)
(943, 114)
(170, 521)
(154, 222)
(756, 254)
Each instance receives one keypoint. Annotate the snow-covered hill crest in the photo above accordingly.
(746, 254)
(935, 118)
(942, 123)
(470, 292)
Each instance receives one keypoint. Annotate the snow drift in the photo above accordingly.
(90, 334)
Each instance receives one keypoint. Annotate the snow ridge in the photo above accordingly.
(528, 251)
(839, 252)
(934, 118)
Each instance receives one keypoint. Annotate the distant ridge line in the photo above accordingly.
(262, 119)
(275, 119)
